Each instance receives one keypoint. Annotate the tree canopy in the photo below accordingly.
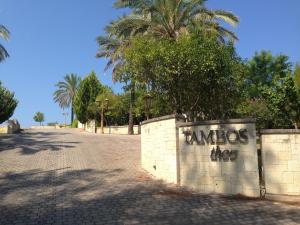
(271, 92)
(66, 92)
(8, 104)
(84, 103)
(265, 70)
(39, 117)
(171, 18)
(198, 75)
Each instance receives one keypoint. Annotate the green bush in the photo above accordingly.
(75, 123)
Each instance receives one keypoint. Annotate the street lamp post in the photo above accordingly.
(148, 103)
(65, 115)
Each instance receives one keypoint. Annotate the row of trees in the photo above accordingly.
(81, 95)
(179, 52)
(164, 24)
(8, 103)
(272, 91)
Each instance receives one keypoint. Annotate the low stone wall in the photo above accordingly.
(4, 130)
(45, 127)
(281, 161)
(209, 156)
(219, 157)
(159, 152)
(12, 126)
(80, 125)
(122, 130)
(91, 126)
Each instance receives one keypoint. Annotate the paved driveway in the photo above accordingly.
(69, 177)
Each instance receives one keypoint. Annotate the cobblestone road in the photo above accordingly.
(73, 178)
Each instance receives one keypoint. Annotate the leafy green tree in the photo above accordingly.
(84, 102)
(258, 109)
(265, 70)
(167, 19)
(4, 34)
(171, 18)
(297, 75)
(272, 93)
(8, 104)
(113, 47)
(198, 75)
(118, 110)
(284, 103)
(39, 117)
(66, 92)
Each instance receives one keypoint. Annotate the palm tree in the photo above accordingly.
(66, 92)
(170, 18)
(4, 34)
(160, 18)
(112, 47)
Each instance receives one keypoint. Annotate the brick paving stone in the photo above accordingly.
(67, 177)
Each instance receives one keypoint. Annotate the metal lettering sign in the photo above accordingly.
(218, 137)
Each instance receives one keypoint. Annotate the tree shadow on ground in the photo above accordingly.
(75, 197)
(34, 142)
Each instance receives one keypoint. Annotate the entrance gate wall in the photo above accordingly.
(209, 156)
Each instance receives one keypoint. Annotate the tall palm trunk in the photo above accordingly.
(72, 110)
(131, 107)
(72, 114)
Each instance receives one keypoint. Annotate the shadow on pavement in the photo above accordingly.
(74, 197)
(34, 142)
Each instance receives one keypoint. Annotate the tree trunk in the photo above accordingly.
(72, 115)
(102, 119)
(131, 107)
(295, 125)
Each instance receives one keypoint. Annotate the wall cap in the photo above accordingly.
(125, 126)
(216, 122)
(168, 117)
(279, 131)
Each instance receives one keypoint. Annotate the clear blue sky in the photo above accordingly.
(50, 38)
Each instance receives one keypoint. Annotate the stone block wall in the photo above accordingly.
(4, 130)
(281, 161)
(159, 149)
(91, 126)
(122, 130)
(176, 152)
(12, 126)
(119, 130)
(233, 171)
(80, 125)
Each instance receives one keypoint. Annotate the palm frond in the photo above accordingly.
(3, 53)
(4, 32)
(228, 17)
(66, 91)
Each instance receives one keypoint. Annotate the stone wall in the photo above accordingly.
(159, 153)
(4, 130)
(11, 126)
(177, 152)
(91, 126)
(80, 125)
(281, 161)
(123, 130)
(226, 163)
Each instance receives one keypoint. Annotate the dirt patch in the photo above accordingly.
(245, 198)
(173, 193)
(242, 198)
